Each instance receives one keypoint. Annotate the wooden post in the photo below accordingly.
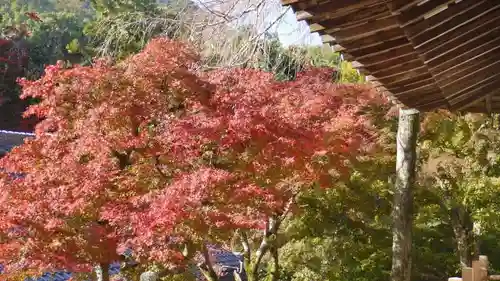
(478, 271)
(402, 213)
(467, 274)
(480, 268)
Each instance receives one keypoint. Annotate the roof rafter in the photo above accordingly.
(425, 54)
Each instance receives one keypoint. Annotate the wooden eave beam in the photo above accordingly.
(391, 62)
(315, 27)
(472, 79)
(424, 53)
(337, 7)
(477, 106)
(407, 16)
(385, 56)
(400, 5)
(408, 82)
(489, 88)
(429, 97)
(404, 89)
(363, 51)
(328, 39)
(421, 73)
(392, 74)
(463, 47)
(479, 89)
(476, 26)
(352, 18)
(412, 91)
(421, 92)
(440, 103)
(302, 15)
(464, 39)
(396, 69)
(425, 101)
(441, 65)
(453, 11)
(362, 30)
(454, 23)
(371, 39)
(467, 67)
(289, 2)
(419, 12)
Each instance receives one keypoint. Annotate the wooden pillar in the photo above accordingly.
(467, 274)
(402, 213)
(478, 271)
(480, 268)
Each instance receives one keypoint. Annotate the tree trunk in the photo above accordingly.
(252, 266)
(102, 272)
(207, 268)
(464, 236)
(275, 274)
(476, 232)
(402, 213)
(149, 276)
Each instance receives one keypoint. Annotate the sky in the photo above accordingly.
(292, 32)
(271, 17)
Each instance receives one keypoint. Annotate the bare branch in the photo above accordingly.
(229, 33)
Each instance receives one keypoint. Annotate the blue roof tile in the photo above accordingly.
(10, 139)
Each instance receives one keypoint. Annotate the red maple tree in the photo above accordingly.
(153, 155)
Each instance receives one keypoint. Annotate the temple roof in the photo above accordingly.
(424, 54)
(10, 139)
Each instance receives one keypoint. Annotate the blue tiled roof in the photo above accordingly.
(10, 139)
(229, 261)
(65, 275)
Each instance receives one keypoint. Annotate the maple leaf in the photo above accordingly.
(151, 154)
(34, 16)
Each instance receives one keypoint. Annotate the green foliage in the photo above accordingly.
(50, 39)
(335, 241)
(325, 57)
(345, 233)
(284, 63)
(114, 7)
(123, 27)
(460, 158)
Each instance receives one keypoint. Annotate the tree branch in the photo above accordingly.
(206, 267)
(158, 169)
(246, 245)
(270, 232)
(276, 266)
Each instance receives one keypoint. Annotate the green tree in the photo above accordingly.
(323, 56)
(54, 39)
(123, 27)
(460, 167)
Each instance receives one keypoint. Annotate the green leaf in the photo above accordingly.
(73, 46)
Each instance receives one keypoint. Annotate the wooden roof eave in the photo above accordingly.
(444, 50)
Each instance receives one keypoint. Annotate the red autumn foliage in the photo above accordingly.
(150, 154)
(34, 16)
